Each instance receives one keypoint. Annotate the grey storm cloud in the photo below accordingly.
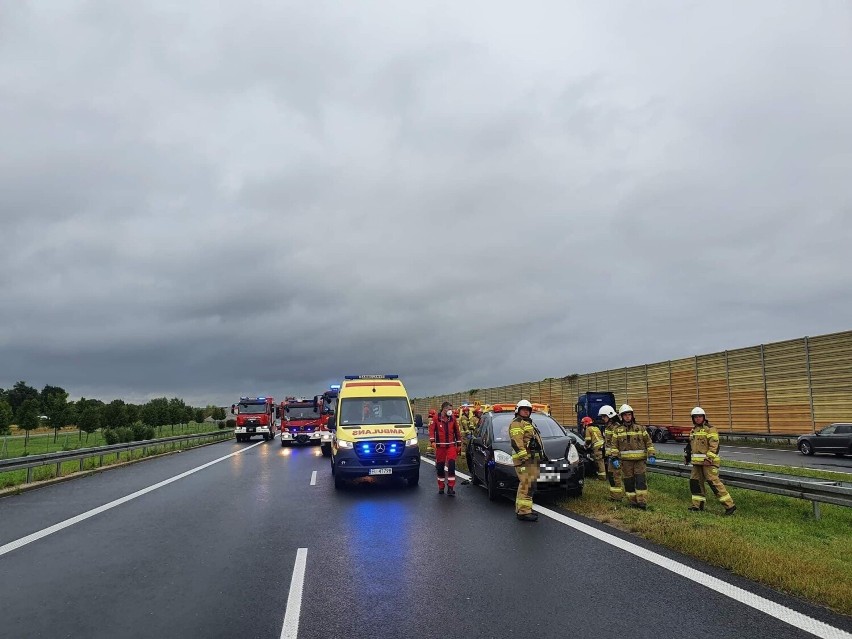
(211, 200)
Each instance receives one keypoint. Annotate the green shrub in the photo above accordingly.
(221, 424)
(125, 435)
(231, 423)
(141, 431)
(110, 436)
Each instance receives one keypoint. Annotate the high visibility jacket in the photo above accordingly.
(594, 439)
(522, 432)
(444, 432)
(608, 440)
(465, 422)
(704, 443)
(631, 443)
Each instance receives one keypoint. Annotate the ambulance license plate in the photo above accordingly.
(381, 471)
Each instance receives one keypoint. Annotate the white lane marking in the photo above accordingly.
(23, 541)
(314, 478)
(787, 615)
(290, 629)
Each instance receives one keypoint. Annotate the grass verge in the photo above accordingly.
(70, 440)
(41, 473)
(772, 540)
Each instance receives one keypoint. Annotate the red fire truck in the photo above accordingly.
(328, 407)
(300, 421)
(255, 416)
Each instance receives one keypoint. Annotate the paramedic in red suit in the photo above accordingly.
(445, 437)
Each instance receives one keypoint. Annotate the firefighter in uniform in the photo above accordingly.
(702, 452)
(608, 418)
(477, 416)
(527, 447)
(595, 443)
(632, 447)
(444, 435)
(465, 422)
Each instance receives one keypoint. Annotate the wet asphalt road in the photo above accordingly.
(212, 555)
(776, 457)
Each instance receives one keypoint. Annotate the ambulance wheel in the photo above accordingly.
(326, 450)
(338, 482)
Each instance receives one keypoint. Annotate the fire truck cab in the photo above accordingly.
(328, 409)
(300, 421)
(255, 416)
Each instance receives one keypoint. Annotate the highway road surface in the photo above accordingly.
(774, 457)
(252, 540)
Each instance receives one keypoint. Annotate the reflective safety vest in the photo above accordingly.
(631, 443)
(704, 443)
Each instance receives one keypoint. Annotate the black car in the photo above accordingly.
(489, 457)
(835, 438)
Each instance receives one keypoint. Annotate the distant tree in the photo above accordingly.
(27, 417)
(134, 413)
(177, 412)
(115, 414)
(90, 419)
(219, 413)
(53, 402)
(155, 413)
(20, 393)
(6, 415)
(189, 414)
(199, 415)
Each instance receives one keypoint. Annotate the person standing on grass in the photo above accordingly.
(609, 418)
(703, 452)
(445, 437)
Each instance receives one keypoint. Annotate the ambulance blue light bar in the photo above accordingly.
(334, 387)
(371, 377)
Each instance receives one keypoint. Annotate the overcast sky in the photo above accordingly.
(213, 199)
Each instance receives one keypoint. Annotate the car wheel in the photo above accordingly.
(473, 478)
(575, 491)
(493, 495)
(806, 448)
(338, 482)
(657, 436)
(413, 479)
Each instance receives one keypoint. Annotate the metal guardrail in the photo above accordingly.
(35, 461)
(813, 489)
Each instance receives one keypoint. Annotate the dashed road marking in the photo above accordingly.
(290, 629)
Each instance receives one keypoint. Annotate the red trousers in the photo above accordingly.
(446, 454)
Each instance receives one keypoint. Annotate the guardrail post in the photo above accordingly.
(59, 469)
(817, 513)
(81, 463)
(29, 474)
(101, 461)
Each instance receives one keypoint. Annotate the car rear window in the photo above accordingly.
(547, 426)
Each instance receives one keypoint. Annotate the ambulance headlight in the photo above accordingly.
(411, 442)
(344, 444)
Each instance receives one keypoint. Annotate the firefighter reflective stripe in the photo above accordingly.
(698, 498)
(520, 456)
(698, 457)
(633, 454)
(616, 490)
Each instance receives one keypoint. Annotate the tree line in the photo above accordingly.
(28, 408)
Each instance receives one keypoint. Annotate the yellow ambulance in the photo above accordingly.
(373, 431)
